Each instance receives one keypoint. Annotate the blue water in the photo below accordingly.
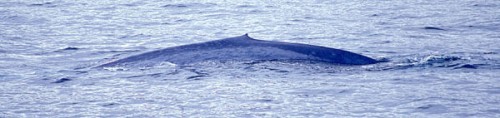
(443, 59)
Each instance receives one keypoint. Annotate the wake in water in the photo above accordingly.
(208, 69)
(453, 61)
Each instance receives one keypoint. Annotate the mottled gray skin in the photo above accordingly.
(259, 50)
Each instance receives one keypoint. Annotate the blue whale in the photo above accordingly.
(244, 48)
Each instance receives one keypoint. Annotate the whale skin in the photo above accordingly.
(244, 48)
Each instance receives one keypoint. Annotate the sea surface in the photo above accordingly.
(441, 59)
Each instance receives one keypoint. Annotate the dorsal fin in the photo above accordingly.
(246, 37)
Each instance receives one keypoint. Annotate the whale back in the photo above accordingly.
(244, 48)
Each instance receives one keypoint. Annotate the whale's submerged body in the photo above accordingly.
(244, 48)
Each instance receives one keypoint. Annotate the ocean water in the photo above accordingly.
(442, 59)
